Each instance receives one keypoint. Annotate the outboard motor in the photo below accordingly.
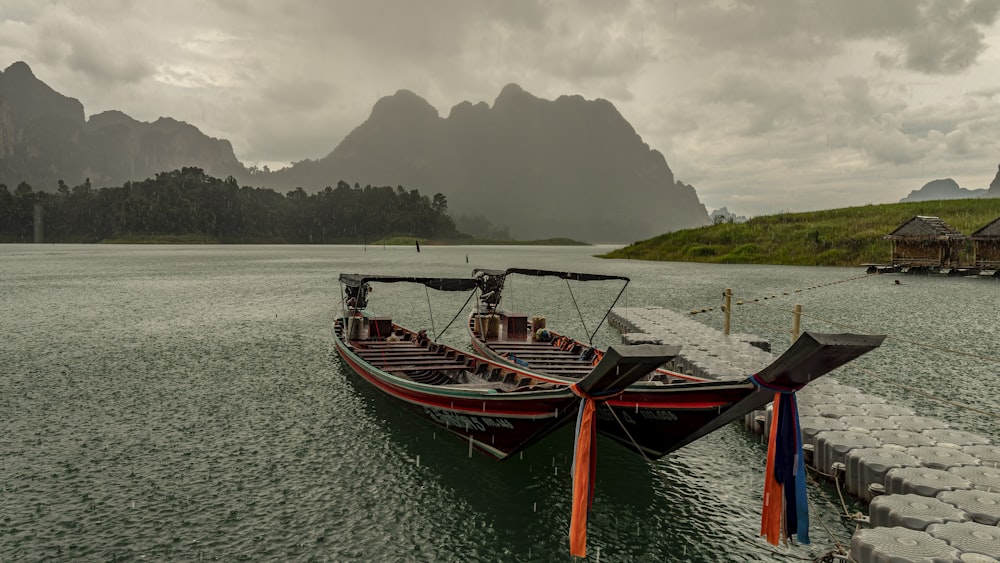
(490, 288)
(356, 297)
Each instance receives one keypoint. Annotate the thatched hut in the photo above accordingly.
(926, 242)
(986, 242)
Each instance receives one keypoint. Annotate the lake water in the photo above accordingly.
(173, 403)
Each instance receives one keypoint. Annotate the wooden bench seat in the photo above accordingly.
(422, 367)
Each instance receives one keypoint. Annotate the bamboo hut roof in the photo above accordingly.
(990, 232)
(924, 227)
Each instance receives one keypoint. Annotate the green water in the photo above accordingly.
(185, 403)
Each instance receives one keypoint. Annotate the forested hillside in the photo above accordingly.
(188, 205)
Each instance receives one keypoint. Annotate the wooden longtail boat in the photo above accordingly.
(497, 408)
(664, 410)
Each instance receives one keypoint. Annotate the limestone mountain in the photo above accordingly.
(946, 188)
(45, 138)
(569, 167)
(994, 189)
(532, 167)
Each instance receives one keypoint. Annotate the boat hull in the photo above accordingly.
(498, 424)
(657, 420)
(658, 416)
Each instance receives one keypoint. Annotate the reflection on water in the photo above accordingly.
(184, 402)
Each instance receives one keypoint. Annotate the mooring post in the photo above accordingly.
(39, 223)
(727, 307)
(796, 320)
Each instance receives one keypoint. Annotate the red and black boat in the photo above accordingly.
(663, 410)
(497, 408)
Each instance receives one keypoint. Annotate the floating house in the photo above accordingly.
(986, 243)
(926, 242)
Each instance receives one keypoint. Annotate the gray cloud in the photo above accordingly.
(950, 39)
(763, 106)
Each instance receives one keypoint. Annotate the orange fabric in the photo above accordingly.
(582, 481)
(773, 510)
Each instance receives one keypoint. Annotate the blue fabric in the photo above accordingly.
(801, 497)
(576, 435)
(789, 469)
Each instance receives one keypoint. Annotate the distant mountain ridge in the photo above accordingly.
(45, 138)
(568, 167)
(948, 188)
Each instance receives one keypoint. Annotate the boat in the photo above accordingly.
(497, 408)
(664, 410)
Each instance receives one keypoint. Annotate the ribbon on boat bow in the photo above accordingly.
(584, 468)
(786, 509)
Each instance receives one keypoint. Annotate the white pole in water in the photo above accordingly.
(796, 320)
(728, 308)
(418, 460)
(470, 445)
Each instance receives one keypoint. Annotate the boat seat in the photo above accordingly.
(510, 378)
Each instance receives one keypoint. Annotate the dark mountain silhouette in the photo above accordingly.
(533, 167)
(569, 167)
(946, 188)
(44, 138)
(994, 189)
(949, 189)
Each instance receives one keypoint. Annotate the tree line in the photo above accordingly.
(188, 202)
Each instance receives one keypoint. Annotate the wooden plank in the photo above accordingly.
(400, 353)
(430, 367)
(402, 359)
(417, 361)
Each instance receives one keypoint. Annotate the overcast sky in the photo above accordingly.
(764, 106)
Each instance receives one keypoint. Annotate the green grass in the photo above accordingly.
(836, 237)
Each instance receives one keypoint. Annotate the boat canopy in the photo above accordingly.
(575, 276)
(440, 284)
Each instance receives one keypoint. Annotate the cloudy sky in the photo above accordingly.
(763, 106)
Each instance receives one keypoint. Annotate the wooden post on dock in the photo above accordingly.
(727, 307)
(796, 321)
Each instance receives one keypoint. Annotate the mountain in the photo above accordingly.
(44, 138)
(994, 189)
(532, 167)
(723, 215)
(942, 189)
(569, 167)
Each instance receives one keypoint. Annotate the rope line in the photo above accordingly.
(579, 312)
(989, 413)
(631, 439)
(758, 302)
(889, 336)
(460, 311)
(742, 300)
(429, 309)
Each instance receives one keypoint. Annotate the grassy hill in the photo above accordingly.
(836, 237)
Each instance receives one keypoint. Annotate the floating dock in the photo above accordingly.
(934, 491)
